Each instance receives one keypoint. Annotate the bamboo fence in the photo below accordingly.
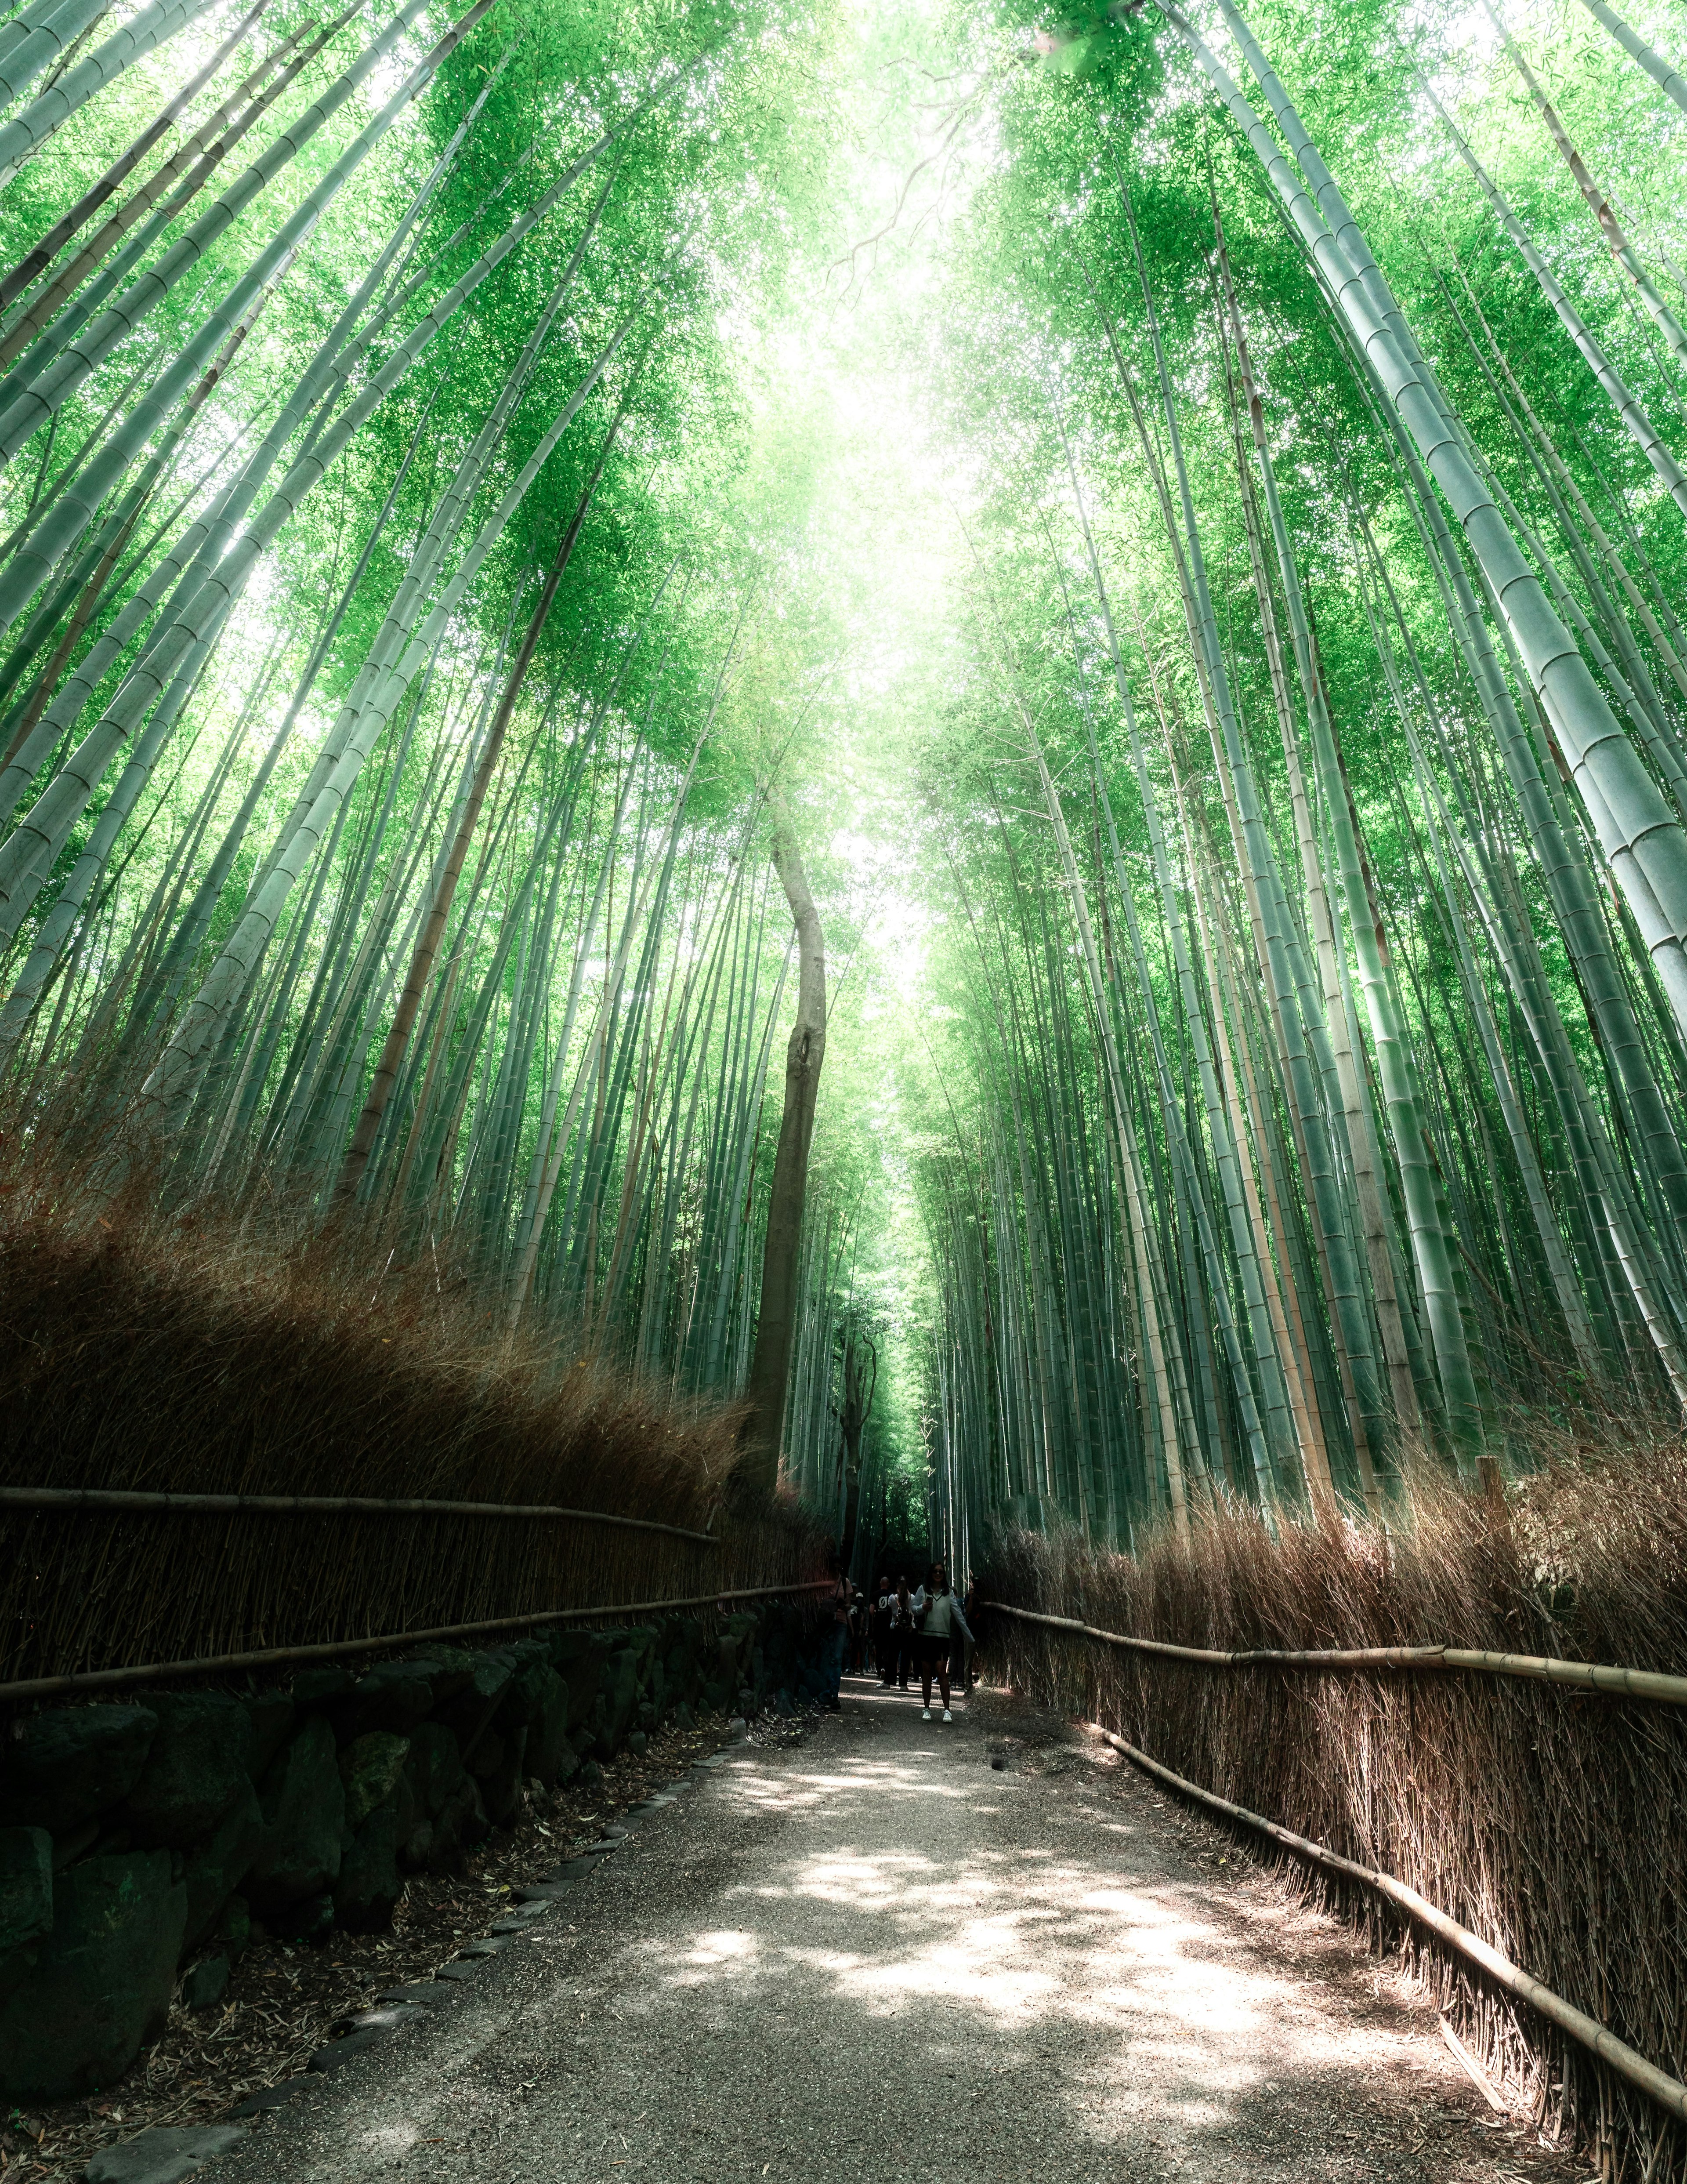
(1529, 1798)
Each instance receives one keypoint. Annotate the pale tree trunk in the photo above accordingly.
(769, 1363)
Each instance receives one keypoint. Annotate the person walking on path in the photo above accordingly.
(937, 1618)
(883, 1601)
(858, 1635)
(899, 1656)
(837, 1640)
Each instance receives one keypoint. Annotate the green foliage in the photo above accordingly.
(1109, 1102)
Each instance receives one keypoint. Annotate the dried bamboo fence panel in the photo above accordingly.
(161, 1358)
(1550, 1821)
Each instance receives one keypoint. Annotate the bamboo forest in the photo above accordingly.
(844, 846)
(1173, 563)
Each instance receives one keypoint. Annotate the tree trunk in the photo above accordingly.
(860, 1382)
(775, 1324)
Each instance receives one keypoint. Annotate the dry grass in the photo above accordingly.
(212, 1348)
(1553, 1823)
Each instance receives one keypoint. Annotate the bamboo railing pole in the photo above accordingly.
(1573, 1675)
(1668, 2092)
(316, 1504)
(217, 1665)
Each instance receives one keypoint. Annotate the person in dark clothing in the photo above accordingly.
(899, 1658)
(858, 1635)
(837, 1639)
(883, 1598)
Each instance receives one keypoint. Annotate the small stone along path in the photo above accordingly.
(885, 1948)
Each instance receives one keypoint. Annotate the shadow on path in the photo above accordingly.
(872, 1956)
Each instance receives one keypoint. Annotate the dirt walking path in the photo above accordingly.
(876, 1955)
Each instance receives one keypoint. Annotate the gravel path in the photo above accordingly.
(873, 1955)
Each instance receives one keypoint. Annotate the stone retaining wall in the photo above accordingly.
(148, 1839)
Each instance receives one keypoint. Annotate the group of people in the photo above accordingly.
(898, 1631)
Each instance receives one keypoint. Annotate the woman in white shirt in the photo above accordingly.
(937, 1618)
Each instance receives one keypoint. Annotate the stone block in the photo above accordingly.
(620, 1696)
(523, 1916)
(472, 1709)
(451, 1670)
(25, 1886)
(304, 1806)
(274, 2096)
(550, 1755)
(545, 1699)
(338, 2053)
(460, 1821)
(369, 1769)
(216, 1868)
(57, 1770)
(501, 1788)
(161, 2155)
(206, 1983)
(318, 1687)
(485, 1755)
(391, 1697)
(435, 1767)
(385, 2018)
(101, 1985)
(582, 1673)
(272, 1715)
(369, 1883)
(195, 1768)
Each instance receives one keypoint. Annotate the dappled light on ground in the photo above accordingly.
(874, 1952)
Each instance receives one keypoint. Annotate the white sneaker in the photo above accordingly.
(947, 1715)
(927, 1715)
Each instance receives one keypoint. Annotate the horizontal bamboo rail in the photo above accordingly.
(315, 1505)
(218, 1664)
(1573, 1675)
(1668, 2092)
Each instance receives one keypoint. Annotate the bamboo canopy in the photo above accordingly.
(528, 583)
